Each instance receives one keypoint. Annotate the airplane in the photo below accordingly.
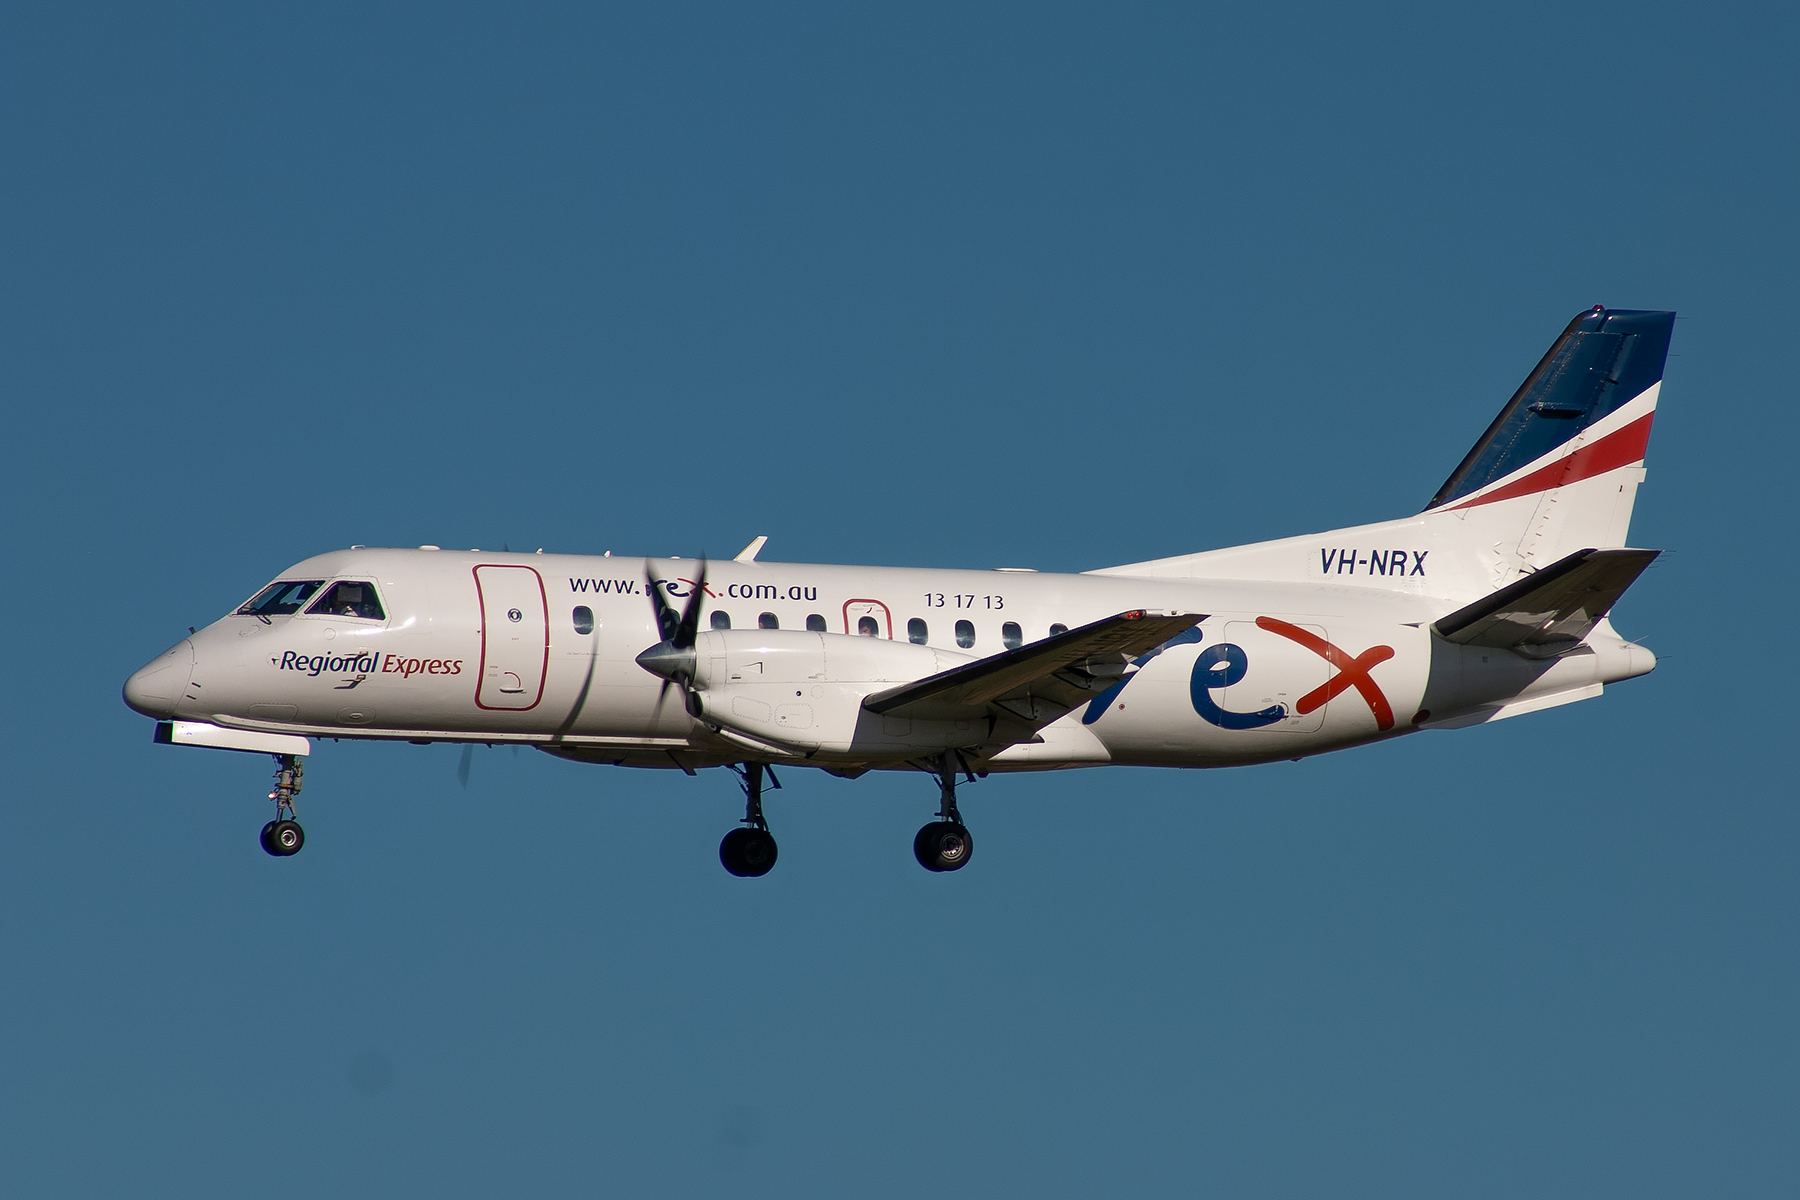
(1490, 603)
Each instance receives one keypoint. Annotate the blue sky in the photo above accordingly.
(1043, 286)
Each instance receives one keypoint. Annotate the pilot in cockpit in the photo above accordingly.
(349, 599)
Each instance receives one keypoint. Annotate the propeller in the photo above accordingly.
(673, 657)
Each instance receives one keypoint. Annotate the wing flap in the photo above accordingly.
(1040, 682)
(1549, 612)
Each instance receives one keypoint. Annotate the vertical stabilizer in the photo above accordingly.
(1561, 463)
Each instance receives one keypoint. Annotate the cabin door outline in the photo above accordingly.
(1281, 671)
(855, 610)
(515, 637)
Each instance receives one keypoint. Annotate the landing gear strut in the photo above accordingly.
(945, 844)
(750, 851)
(283, 836)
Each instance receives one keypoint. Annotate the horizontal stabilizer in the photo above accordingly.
(1548, 612)
(1040, 682)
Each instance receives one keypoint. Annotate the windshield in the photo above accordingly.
(281, 598)
(349, 599)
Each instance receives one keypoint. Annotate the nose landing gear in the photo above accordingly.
(283, 836)
(750, 851)
(945, 844)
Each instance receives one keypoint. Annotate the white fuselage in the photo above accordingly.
(540, 649)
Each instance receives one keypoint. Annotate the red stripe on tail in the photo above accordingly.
(1619, 448)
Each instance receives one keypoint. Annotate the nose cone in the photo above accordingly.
(161, 683)
(668, 661)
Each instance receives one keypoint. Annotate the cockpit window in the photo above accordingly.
(349, 599)
(281, 599)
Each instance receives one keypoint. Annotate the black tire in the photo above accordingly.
(287, 837)
(943, 846)
(731, 851)
(748, 853)
(268, 840)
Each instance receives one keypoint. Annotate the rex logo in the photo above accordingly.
(1351, 672)
(1221, 666)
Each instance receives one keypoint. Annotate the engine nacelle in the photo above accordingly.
(804, 691)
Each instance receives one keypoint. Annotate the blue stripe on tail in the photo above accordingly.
(1602, 360)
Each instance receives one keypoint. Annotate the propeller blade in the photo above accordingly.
(673, 657)
(666, 620)
(661, 694)
(689, 628)
(462, 768)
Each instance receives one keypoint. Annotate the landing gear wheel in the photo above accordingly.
(943, 846)
(283, 838)
(748, 853)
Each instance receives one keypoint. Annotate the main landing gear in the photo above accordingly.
(945, 844)
(283, 836)
(750, 851)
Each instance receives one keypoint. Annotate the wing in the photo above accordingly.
(1549, 612)
(1040, 682)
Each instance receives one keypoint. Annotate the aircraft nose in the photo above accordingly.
(158, 686)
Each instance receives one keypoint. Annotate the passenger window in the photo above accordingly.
(1058, 628)
(281, 599)
(584, 619)
(1011, 636)
(917, 633)
(349, 600)
(965, 634)
(868, 627)
(721, 619)
(768, 621)
(815, 623)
